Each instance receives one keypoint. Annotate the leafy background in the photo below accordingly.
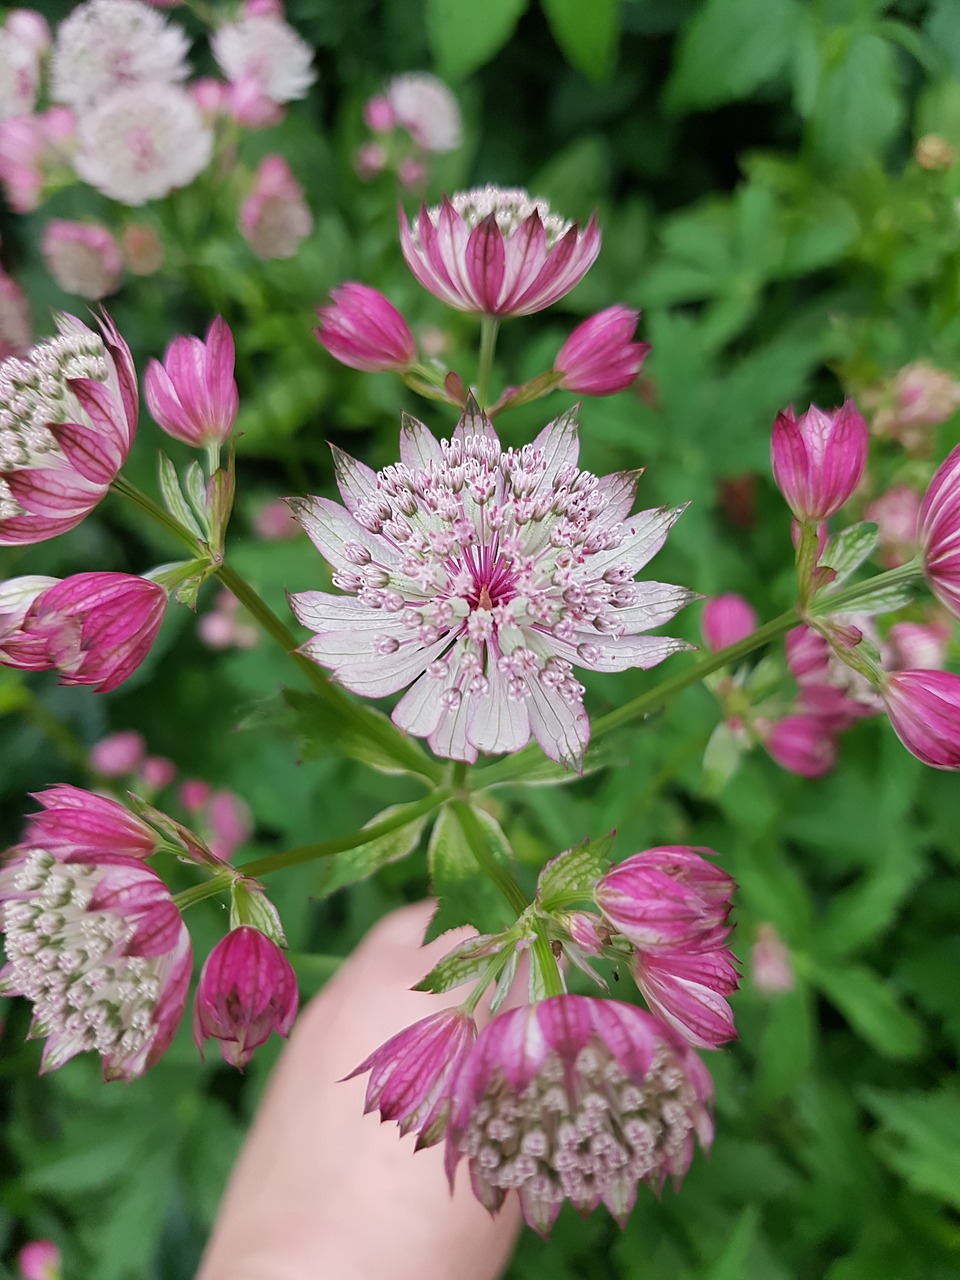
(753, 166)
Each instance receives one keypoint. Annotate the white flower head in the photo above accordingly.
(107, 43)
(141, 142)
(479, 576)
(20, 56)
(267, 51)
(427, 110)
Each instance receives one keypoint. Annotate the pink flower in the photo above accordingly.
(157, 772)
(478, 576)
(827, 688)
(274, 218)
(687, 989)
(364, 330)
(939, 532)
(725, 620)
(142, 249)
(666, 898)
(32, 148)
(378, 115)
(916, 644)
(895, 513)
(598, 358)
(230, 823)
(264, 52)
(274, 522)
(818, 459)
(68, 412)
(24, 38)
(74, 825)
(496, 251)
(922, 396)
(39, 1260)
(246, 990)
(104, 45)
(95, 628)
(369, 160)
(193, 395)
(82, 257)
(121, 993)
(803, 744)
(770, 969)
(118, 754)
(194, 794)
(411, 172)
(924, 709)
(424, 106)
(412, 1073)
(576, 1099)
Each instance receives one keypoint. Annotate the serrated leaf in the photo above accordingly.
(920, 1139)
(871, 1007)
(573, 872)
(173, 498)
(729, 49)
(467, 960)
(860, 914)
(721, 758)
(195, 488)
(884, 598)
(848, 549)
(357, 864)
(859, 106)
(587, 33)
(464, 35)
(466, 895)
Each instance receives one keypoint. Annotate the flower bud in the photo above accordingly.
(725, 620)
(193, 395)
(274, 217)
(818, 459)
(666, 898)
(39, 1260)
(895, 514)
(157, 772)
(801, 744)
(142, 249)
(118, 755)
(363, 330)
(378, 115)
(598, 358)
(246, 990)
(687, 989)
(82, 257)
(924, 710)
(79, 826)
(770, 968)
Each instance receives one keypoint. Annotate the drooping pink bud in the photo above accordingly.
(82, 257)
(363, 330)
(274, 217)
(246, 990)
(118, 754)
(687, 989)
(193, 395)
(122, 992)
(39, 1260)
(74, 825)
(725, 620)
(94, 628)
(939, 532)
(550, 1086)
(770, 969)
(599, 358)
(211, 97)
(827, 688)
(924, 709)
(818, 459)
(801, 744)
(666, 898)
(411, 1075)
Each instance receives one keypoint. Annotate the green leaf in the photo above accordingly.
(732, 1260)
(872, 1009)
(720, 759)
(467, 960)
(587, 33)
(357, 864)
(173, 497)
(859, 108)
(847, 550)
(574, 871)
(729, 49)
(863, 912)
(464, 34)
(466, 895)
(366, 735)
(920, 1139)
(786, 1045)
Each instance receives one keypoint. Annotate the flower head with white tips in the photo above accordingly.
(479, 576)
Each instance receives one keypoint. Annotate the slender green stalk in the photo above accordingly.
(847, 598)
(546, 963)
(476, 838)
(489, 328)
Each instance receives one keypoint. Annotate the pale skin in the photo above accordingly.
(320, 1190)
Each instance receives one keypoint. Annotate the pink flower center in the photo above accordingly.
(494, 580)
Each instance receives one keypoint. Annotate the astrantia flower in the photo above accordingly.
(141, 142)
(266, 52)
(101, 951)
(687, 989)
(666, 898)
(827, 688)
(363, 329)
(818, 458)
(82, 257)
(74, 825)
(193, 395)
(274, 217)
(924, 709)
(412, 1073)
(939, 532)
(68, 412)
(105, 44)
(24, 38)
(803, 744)
(427, 109)
(497, 251)
(598, 358)
(725, 620)
(479, 576)
(576, 1099)
(33, 149)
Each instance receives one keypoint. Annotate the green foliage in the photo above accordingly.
(464, 35)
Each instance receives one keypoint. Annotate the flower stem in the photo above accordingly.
(489, 328)
(476, 838)
(847, 598)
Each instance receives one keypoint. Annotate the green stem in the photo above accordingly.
(489, 328)
(476, 838)
(546, 962)
(847, 598)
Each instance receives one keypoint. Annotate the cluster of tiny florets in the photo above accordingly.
(105, 44)
(510, 206)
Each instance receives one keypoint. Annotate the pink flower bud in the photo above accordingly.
(247, 104)
(142, 249)
(598, 358)
(274, 217)
(770, 968)
(118, 755)
(725, 620)
(363, 330)
(210, 97)
(687, 989)
(246, 990)
(274, 521)
(94, 628)
(82, 257)
(230, 823)
(411, 1075)
(895, 514)
(157, 772)
(924, 709)
(193, 395)
(378, 115)
(263, 9)
(910, 645)
(411, 173)
(802, 744)
(74, 825)
(369, 160)
(424, 106)
(818, 459)
(666, 898)
(194, 794)
(39, 1260)
(939, 532)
